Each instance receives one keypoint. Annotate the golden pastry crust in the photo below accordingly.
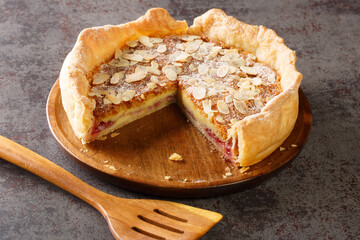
(254, 137)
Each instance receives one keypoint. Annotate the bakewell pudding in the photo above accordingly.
(236, 83)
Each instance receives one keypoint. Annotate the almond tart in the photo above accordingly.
(237, 83)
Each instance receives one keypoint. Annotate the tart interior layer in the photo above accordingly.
(215, 86)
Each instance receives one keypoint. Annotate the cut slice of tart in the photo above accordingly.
(236, 83)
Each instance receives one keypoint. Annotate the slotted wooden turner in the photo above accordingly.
(127, 218)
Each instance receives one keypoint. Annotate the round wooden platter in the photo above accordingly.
(137, 158)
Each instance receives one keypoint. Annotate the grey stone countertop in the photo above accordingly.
(317, 196)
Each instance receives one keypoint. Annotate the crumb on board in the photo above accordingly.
(244, 169)
(102, 138)
(282, 149)
(114, 134)
(175, 157)
(293, 145)
(167, 177)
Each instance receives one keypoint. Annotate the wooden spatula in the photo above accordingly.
(127, 218)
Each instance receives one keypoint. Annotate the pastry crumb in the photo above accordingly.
(293, 145)
(282, 149)
(167, 177)
(185, 180)
(175, 157)
(111, 167)
(102, 138)
(244, 169)
(114, 134)
(106, 161)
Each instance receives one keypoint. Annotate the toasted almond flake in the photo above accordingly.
(180, 46)
(233, 121)
(228, 99)
(167, 177)
(117, 77)
(175, 157)
(207, 107)
(133, 57)
(293, 145)
(182, 57)
(242, 96)
(170, 73)
(258, 103)
(189, 38)
(185, 180)
(148, 57)
(282, 149)
(211, 92)
(151, 85)
(222, 71)
(240, 106)
(256, 81)
(232, 70)
(229, 56)
(244, 169)
(271, 78)
(222, 107)
(128, 95)
(199, 93)
(203, 69)
(100, 78)
(214, 52)
(132, 43)
(191, 47)
(142, 96)
(106, 101)
(118, 53)
(119, 62)
(213, 71)
(203, 50)
(154, 79)
(161, 48)
(135, 77)
(197, 56)
(114, 134)
(249, 70)
(115, 99)
(146, 41)
(238, 62)
(141, 69)
(220, 119)
(177, 64)
(156, 40)
(133, 63)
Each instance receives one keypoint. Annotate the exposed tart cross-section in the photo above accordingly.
(228, 88)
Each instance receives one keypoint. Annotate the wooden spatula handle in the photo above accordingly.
(33, 162)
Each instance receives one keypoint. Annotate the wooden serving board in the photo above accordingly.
(137, 158)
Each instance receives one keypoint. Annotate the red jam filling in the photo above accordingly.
(226, 146)
(101, 126)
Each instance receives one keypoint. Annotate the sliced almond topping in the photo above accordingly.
(132, 43)
(175, 157)
(271, 78)
(177, 64)
(258, 103)
(242, 96)
(228, 99)
(238, 62)
(148, 57)
(249, 70)
(156, 40)
(222, 107)
(192, 67)
(170, 73)
(199, 93)
(151, 85)
(118, 53)
(100, 78)
(180, 46)
(207, 107)
(203, 50)
(119, 62)
(211, 92)
(141, 69)
(203, 69)
(133, 57)
(117, 77)
(128, 95)
(222, 71)
(133, 63)
(106, 101)
(214, 52)
(146, 41)
(189, 38)
(142, 96)
(191, 47)
(115, 99)
(240, 106)
(256, 81)
(197, 56)
(220, 119)
(182, 57)
(233, 69)
(135, 77)
(161, 48)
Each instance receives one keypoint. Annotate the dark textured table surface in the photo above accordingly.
(317, 196)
